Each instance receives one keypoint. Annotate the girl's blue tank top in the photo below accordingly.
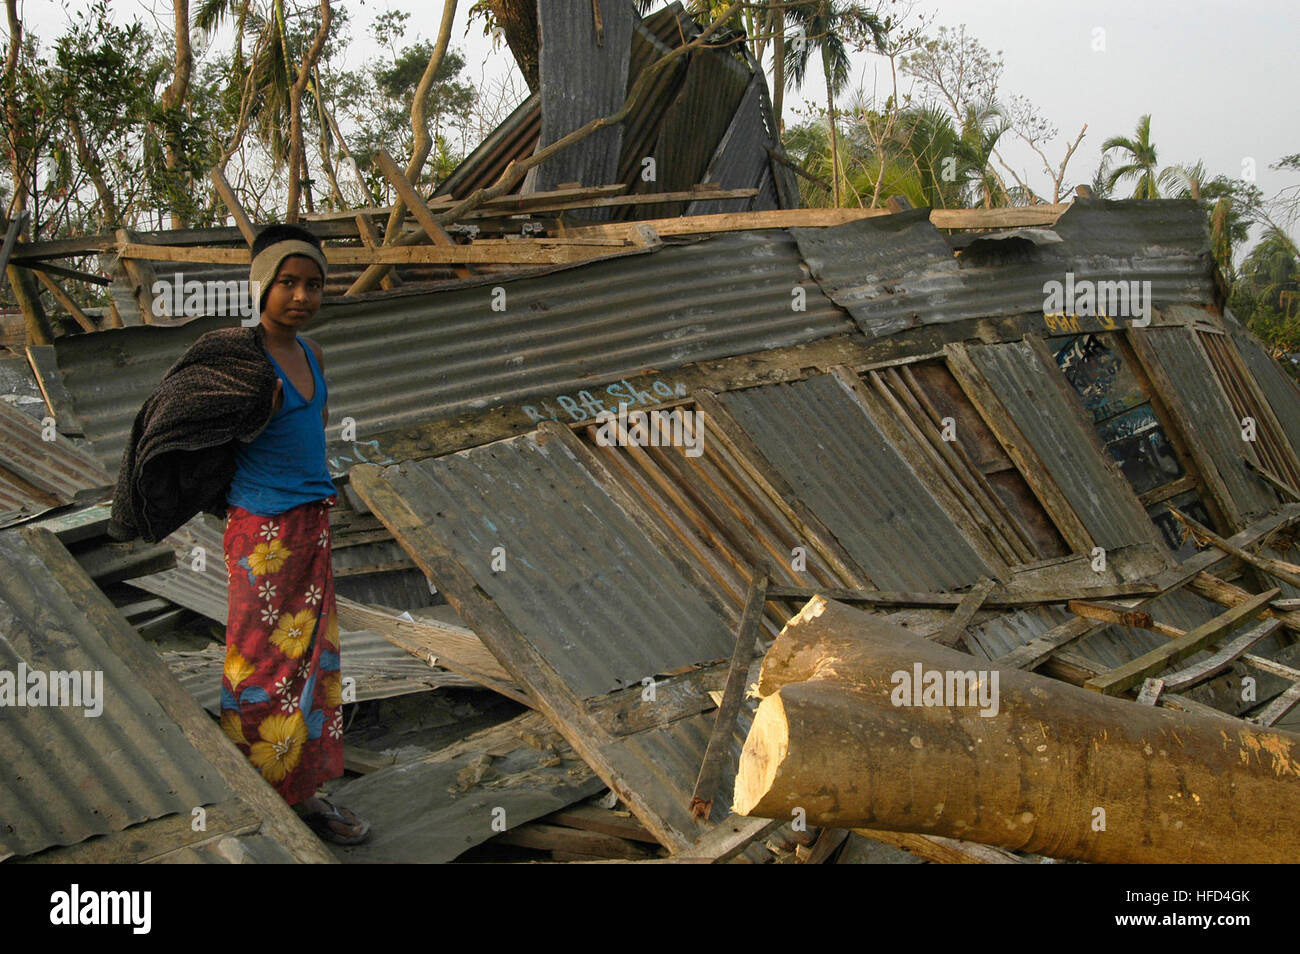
(285, 465)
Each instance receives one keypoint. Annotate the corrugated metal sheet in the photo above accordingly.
(399, 358)
(380, 669)
(1218, 431)
(583, 583)
(515, 138)
(641, 128)
(741, 160)
(894, 272)
(36, 474)
(581, 80)
(694, 124)
(842, 466)
(65, 776)
(1100, 497)
(1278, 386)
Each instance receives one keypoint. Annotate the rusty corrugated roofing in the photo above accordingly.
(37, 474)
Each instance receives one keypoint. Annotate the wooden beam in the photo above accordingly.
(486, 252)
(573, 841)
(415, 202)
(1277, 482)
(724, 725)
(1151, 689)
(603, 820)
(62, 298)
(954, 630)
(1286, 572)
(60, 271)
(370, 239)
(1279, 706)
(1191, 675)
(227, 194)
(997, 598)
(1148, 664)
(940, 850)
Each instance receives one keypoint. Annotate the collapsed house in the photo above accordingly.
(1033, 438)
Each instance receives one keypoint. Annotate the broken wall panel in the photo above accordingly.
(851, 477)
(727, 520)
(1216, 431)
(578, 577)
(1099, 496)
(70, 772)
(586, 601)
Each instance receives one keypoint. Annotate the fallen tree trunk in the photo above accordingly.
(1004, 758)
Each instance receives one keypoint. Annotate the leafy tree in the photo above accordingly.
(1137, 160)
(830, 27)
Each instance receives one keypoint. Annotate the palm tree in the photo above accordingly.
(1138, 160)
(824, 26)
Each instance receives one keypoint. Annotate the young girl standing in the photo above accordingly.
(281, 699)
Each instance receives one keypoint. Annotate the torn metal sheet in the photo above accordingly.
(896, 271)
(1278, 386)
(741, 160)
(433, 809)
(586, 602)
(37, 474)
(843, 467)
(1100, 497)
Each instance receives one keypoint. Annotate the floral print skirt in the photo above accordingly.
(281, 691)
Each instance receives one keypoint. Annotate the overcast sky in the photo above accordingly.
(1217, 76)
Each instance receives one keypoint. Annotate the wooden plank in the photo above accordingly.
(1277, 482)
(1035, 652)
(826, 218)
(1279, 706)
(1017, 447)
(1124, 677)
(12, 232)
(573, 841)
(1271, 666)
(227, 194)
(1151, 689)
(724, 726)
(954, 630)
(452, 647)
(489, 252)
(1286, 572)
(602, 820)
(153, 839)
(152, 674)
(730, 837)
(997, 598)
(362, 761)
(369, 236)
(1191, 675)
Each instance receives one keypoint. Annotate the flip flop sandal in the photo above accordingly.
(322, 823)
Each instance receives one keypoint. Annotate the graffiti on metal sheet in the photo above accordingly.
(586, 405)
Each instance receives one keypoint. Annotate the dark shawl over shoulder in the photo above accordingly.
(181, 456)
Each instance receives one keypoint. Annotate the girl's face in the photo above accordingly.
(295, 294)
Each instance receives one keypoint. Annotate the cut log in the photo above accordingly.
(1027, 763)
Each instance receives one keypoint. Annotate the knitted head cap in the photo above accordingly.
(273, 245)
